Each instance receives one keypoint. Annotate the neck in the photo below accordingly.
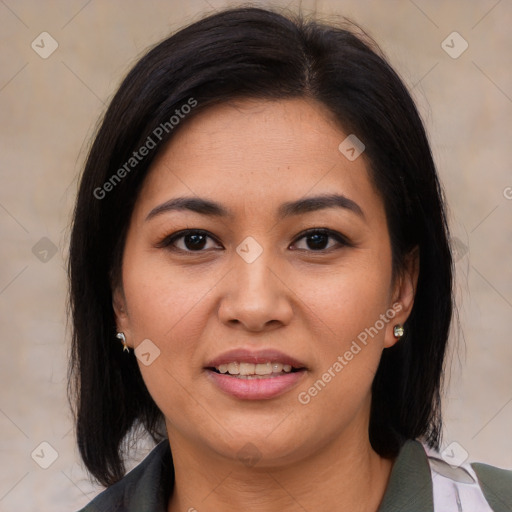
(345, 475)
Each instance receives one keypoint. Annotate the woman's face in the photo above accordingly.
(251, 292)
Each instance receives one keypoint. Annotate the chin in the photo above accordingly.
(257, 448)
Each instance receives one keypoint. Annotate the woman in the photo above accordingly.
(261, 279)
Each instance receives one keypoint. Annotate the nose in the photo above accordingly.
(256, 297)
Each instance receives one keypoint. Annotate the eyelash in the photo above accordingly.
(169, 240)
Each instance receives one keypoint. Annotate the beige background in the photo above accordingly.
(49, 108)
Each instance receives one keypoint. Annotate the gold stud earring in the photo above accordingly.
(398, 330)
(122, 337)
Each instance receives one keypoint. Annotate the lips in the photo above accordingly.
(255, 375)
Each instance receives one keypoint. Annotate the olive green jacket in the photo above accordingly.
(147, 488)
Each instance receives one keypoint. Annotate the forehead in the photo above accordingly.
(257, 153)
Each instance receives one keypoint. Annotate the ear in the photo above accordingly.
(121, 314)
(403, 294)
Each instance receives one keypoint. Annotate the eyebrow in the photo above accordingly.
(305, 205)
(311, 204)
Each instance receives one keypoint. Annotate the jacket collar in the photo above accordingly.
(410, 483)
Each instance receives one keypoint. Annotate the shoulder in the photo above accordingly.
(145, 487)
(496, 483)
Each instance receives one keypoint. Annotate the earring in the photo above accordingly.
(398, 330)
(122, 337)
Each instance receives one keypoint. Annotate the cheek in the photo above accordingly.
(163, 298)
(349, 312)
(347, 301)
(167, 306)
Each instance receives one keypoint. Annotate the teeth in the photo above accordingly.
(245, 369)
(263, 369)
(277, 367)
(233, 368)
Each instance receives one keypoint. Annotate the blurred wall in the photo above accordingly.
(49, 106)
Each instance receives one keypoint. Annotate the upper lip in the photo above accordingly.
(254, 356)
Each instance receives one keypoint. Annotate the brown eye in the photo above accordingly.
(318, 240)
(190, 240)
(194, 241)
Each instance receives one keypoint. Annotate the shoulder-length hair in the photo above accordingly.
(256, 53)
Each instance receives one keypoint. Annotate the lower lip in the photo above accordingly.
(257, 388)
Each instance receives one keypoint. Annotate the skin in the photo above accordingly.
(251, 156)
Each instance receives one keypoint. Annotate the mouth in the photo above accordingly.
(257, 375)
